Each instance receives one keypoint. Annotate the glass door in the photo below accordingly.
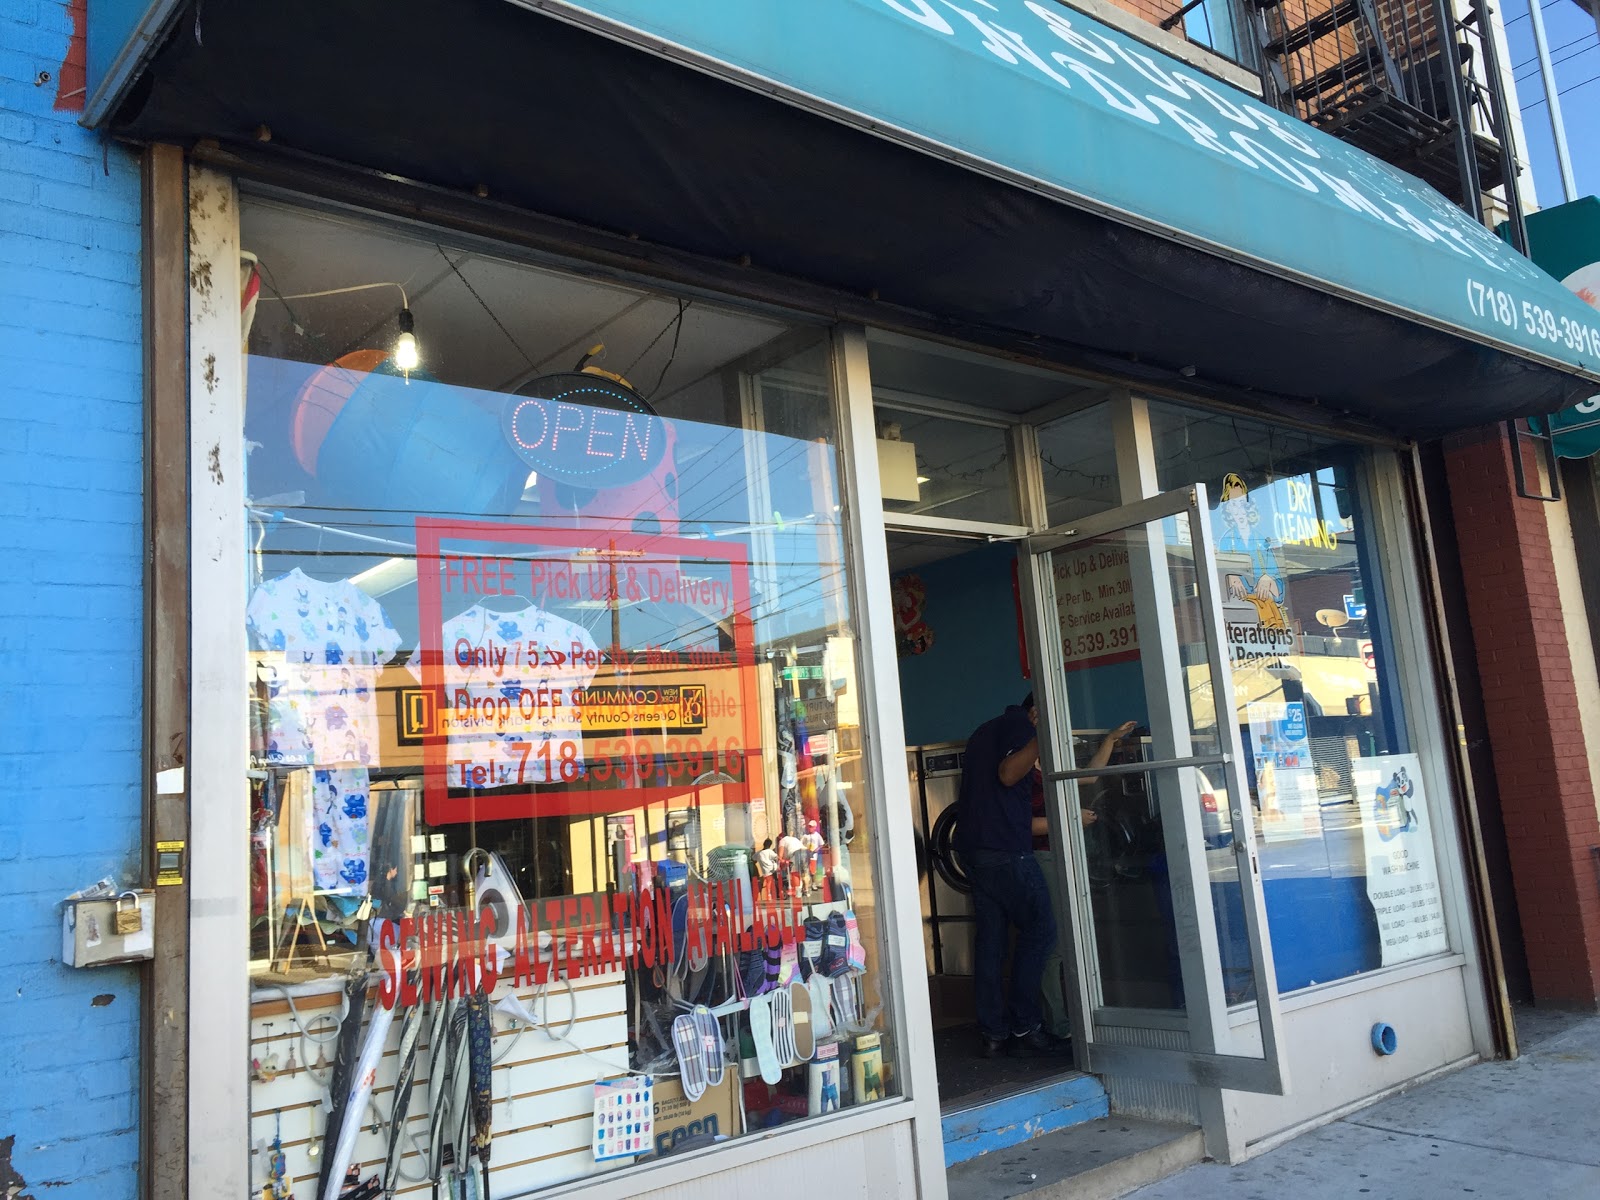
(1142, 759)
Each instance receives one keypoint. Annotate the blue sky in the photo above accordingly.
(1575, 50)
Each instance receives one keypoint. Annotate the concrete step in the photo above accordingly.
(1095, 1160)
(996, 1124)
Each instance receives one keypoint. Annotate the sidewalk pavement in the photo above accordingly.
(1528, 1128)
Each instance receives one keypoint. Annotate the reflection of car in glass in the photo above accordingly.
(1217, 831)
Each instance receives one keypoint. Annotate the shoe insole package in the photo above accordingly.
(846, 1004)
(710, 1032)
(690, 1047)
(783, 1046)
(762, 1035)
(804, 1029)
(821, 1007)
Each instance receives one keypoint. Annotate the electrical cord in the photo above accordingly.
(678, 319)
(341, 291)
(483, 304)
(306, 1033)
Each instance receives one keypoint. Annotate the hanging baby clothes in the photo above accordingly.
(320, 647)
(508, 679)
(340, 838)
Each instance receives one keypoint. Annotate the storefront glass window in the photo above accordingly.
(937, 466)
(561, 855)
(1347, 853)
(944, 450)
(1078, 461)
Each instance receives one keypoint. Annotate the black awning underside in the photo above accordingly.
(565, 123)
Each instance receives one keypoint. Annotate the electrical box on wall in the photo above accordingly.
(897, 470)
(102, 931)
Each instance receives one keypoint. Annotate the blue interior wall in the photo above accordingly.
(71, 616)
(1106, 696)
(973, 669)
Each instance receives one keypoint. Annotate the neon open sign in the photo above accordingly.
(581, 430)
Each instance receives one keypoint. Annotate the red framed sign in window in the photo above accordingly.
(573, 671)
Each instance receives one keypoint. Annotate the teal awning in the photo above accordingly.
(1007, 173)
(1036, 94)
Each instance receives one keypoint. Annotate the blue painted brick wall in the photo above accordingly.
(71, 612)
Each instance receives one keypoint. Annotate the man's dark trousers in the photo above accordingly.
(1009, 890)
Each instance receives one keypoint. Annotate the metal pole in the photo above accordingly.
(1552, 98)
(1509, 160)
(1460, 116)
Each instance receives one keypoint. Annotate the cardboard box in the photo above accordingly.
(716, 1112)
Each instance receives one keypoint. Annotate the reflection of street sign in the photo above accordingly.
(1366, 656)
(1355, 609)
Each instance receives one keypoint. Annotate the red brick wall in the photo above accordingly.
(1153, 11)
(1531, 703)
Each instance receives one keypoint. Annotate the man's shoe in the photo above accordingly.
(1039, 1044)
(994, 1047)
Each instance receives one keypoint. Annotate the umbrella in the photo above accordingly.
(438, 1073)
(459, 1086)
(344, 1061)
(481, 1030)
(360, 1085)
(410, 1029)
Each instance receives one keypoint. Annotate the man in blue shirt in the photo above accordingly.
(995, 836)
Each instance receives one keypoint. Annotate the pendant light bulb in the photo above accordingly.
(406, 356)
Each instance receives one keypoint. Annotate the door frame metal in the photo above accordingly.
(1206, 1061)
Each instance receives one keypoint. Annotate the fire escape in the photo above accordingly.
(1379, 75)
(1409, 82)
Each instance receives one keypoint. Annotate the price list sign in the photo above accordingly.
(574, 671)
(1094, 603)
(1402, 874)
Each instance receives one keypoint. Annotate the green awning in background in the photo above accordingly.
(1565, 241)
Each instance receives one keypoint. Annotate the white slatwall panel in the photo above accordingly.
(543, 1091)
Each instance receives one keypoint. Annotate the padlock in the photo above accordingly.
(128, 920)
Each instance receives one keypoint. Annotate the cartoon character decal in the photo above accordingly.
(1239, 515)
(911, 632)
(1239, 520)
(1391, 814)
(1264, 594)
